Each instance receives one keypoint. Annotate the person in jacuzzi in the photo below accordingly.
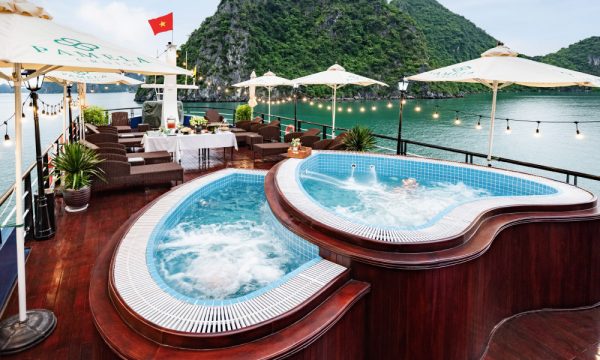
(410, 183)
(407, 184)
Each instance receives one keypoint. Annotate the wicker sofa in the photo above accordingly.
(119, 174)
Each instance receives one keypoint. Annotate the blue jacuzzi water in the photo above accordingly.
(223, 242)
(399, 192)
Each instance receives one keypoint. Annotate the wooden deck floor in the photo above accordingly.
(58, 274)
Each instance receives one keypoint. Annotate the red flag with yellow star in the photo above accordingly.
(162, 24)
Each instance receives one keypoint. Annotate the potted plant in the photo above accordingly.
(198, 123)
(76, 164)
(359, 138)
(295, 144)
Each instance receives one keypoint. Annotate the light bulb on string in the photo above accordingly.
(328, 107)
(304, 99)
(320, 106)
(311, 103)
(508, 130)
(403, 101)
(537, 131)
(7, 141)
(578, 134)
(436, 114)
(457, 119)
(362, 109)
(373, 108)
(389, 105)
(418, 108)
(478, 126)
(349, 109)
(340, 109)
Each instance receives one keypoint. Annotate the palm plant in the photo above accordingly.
(77, 164)
(359, 138)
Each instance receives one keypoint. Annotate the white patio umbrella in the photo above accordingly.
(269, 80)
(500, 67)
(81, 78)
(31, 41)
(335, 77)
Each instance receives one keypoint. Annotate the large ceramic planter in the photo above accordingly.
(77, 200)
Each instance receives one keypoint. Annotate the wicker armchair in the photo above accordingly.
(247, 124)
(270, 133)
(120, 120)
(309, 140)
(213, 116)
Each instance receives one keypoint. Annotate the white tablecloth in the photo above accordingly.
(185, 147)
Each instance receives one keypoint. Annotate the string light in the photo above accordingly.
(373, 108)
(537, 131)
(320, 106)
(328, 107)
(457, 119)
(362, 109)
(403, 101)
(578, 134)
(436, 114)
(304, 99)
(311, 103)
(389, 105)
(340, 109)
(418, 108)
(478, 126)
(289, 99)
(349, 109)
(7, 140)
(508, 130)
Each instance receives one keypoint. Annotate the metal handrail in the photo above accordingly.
(469, 155)
(29, 185)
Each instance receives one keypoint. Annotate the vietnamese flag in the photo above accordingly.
(162, 24)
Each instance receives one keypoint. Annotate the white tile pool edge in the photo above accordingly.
(451, 224)
(137, 288)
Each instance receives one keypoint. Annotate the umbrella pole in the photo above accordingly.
(269, 117)
(28, 328)
(19, 198)
(333, 110)
(492, 118)
(64, 126)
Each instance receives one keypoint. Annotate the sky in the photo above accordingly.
(532, 27)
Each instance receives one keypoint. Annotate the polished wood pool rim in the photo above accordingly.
(445, 302)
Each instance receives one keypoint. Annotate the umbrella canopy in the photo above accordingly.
(31, 41)
(82, 77)
(335, 77)
(30, 38)
(269, 80)
(252, 92)
(500, 67)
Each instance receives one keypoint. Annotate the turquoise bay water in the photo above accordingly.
(224, 245)
(556, 147)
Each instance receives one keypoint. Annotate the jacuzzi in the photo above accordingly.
(209, 258)
(387, 201)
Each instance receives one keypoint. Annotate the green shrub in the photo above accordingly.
(243, 113)
(95, 115)
(359, 138)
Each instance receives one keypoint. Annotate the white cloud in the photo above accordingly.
(119, 22)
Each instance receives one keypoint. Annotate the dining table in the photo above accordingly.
(191, 151)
